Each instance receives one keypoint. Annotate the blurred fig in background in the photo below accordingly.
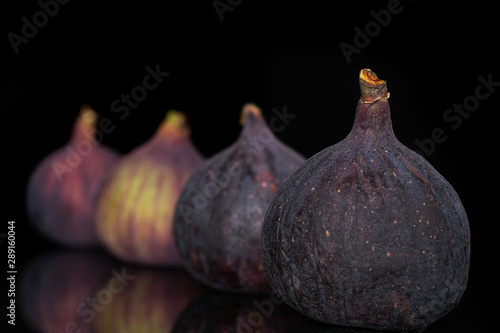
(64, 187)
(219, 216)
(54, 289)
(136, 208)
(218, 312)
(150, 303)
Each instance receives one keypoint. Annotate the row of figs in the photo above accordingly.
(365, 233)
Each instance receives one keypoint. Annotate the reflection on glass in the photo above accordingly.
(54, 285)
(223, 312)
(312, 326)
(144, 300)
(90, 292)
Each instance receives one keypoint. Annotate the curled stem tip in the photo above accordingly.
(372, 88)
(249, 108)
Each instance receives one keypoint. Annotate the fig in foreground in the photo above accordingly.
(367, 233)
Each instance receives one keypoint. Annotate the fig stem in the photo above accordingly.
(175, 118)
(85, 124)
(249, 108)
(88, 115)
(175, 123)
(372, 88)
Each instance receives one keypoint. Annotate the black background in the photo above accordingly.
(277, 55)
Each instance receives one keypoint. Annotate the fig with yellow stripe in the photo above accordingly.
(135, 211)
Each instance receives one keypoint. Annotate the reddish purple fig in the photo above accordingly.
(63, 189)
(218, 219)
(136, 208)
(366, 233)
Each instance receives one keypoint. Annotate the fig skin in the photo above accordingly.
(64, 187)
(367, 233)
(218, 219)
(136, 207)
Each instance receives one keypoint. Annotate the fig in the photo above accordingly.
(136, 207)
(219, 215)
(366, 233)
(63, 189)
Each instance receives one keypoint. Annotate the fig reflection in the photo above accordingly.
(52, 286)
(151, 301)
(312, 326)
(224, 312)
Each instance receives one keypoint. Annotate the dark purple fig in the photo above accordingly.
(63, 190)
(367, 233)
(136, 208)
(218, 219)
